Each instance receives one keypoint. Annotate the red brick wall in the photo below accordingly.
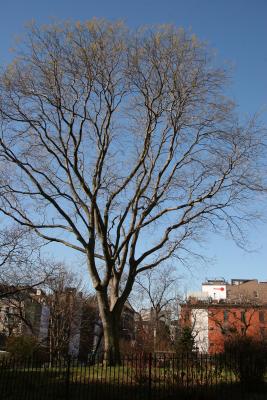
(227, 322)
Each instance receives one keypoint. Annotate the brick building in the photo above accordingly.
(223, 310)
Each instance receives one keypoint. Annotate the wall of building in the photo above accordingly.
(199, 321)
(248, 291)
(229, 321)
(216, 291)
(44, 323)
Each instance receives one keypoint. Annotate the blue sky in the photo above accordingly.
(237, 29)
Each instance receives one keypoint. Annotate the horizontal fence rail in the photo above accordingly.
(136, 376)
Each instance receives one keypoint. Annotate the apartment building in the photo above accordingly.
(222, 310)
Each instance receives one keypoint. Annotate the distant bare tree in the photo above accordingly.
(155, 298)
(122, 146)
(64, 298)
(15, 318)
(23, 274)
(21, 264)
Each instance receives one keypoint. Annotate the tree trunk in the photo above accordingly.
(111, 339)
(111, 325)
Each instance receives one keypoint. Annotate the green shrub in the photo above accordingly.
(185, 342)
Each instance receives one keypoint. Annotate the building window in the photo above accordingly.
(261, 316)
(225, 316)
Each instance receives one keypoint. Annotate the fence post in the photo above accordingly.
(149, 375)
(68, 379)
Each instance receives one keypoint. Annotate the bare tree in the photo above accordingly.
(23, 276)
(156, 300)
(21, 266)
(18, 310)
(122, 146)
(64, 296)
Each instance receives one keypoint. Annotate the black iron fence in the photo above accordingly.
(138, 376)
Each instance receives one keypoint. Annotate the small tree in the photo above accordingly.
(155, 296)
(185, 342)
(65, 302)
